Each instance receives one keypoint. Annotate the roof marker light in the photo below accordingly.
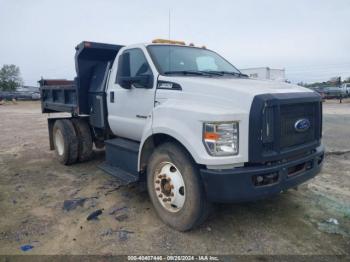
(165, 41)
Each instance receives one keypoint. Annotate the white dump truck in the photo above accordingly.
(186, 122)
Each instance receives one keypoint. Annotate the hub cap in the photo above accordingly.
(169, 187)
(59, 142)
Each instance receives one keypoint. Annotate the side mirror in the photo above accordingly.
(125, 82)
(144, 81)
(124, 70)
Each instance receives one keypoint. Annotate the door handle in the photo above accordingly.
(111, 97)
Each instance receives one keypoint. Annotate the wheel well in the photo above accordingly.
(151, 143)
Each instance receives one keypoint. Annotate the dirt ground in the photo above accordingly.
(33, 188)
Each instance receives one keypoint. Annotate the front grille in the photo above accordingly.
(272, 132)
(289, 115)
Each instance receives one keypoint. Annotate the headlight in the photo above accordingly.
(221, 138)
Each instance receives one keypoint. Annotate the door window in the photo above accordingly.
(133, 64)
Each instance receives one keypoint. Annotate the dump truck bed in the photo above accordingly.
(59, 98)
(86, 94)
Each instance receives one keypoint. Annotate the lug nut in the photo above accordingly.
(160, 195)
(160, 176)
(169, 199)
(169, 179)
(164, 199)
(157, 188)
(172, 186)
(172, 194)
(157, 181)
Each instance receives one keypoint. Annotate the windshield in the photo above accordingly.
(189, 60)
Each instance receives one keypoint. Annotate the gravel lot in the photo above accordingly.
(33, 188)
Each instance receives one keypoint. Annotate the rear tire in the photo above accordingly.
(65, 142)
(173, 176)
(84, 139)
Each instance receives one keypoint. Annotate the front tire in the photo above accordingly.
(65, 142)
(175, 187)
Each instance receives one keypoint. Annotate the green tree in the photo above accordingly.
(10, 78)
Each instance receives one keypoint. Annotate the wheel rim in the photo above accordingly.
(59, 142)
(169, 187)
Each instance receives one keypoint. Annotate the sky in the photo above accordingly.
(309, 38)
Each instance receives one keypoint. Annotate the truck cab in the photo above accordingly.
(188, 123)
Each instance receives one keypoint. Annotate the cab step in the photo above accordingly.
(121, 160)
(123, 177)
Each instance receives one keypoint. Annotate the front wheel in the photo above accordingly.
(175, 187)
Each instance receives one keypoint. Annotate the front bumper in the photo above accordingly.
(242, 183)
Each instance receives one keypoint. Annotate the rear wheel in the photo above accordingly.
(84, 139)
(175, 187)
(65, 141)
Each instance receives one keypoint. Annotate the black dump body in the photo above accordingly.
(86, 94)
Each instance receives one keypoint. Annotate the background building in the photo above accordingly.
(265, 73)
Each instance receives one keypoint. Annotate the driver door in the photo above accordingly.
(130, 103)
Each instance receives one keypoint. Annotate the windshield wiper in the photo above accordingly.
(228, 73)
(217, 73)
(185, 72)
(201, 73)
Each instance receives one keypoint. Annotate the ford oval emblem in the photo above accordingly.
(302, 125)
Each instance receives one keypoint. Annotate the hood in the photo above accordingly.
(228, 90)
(246, 86)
